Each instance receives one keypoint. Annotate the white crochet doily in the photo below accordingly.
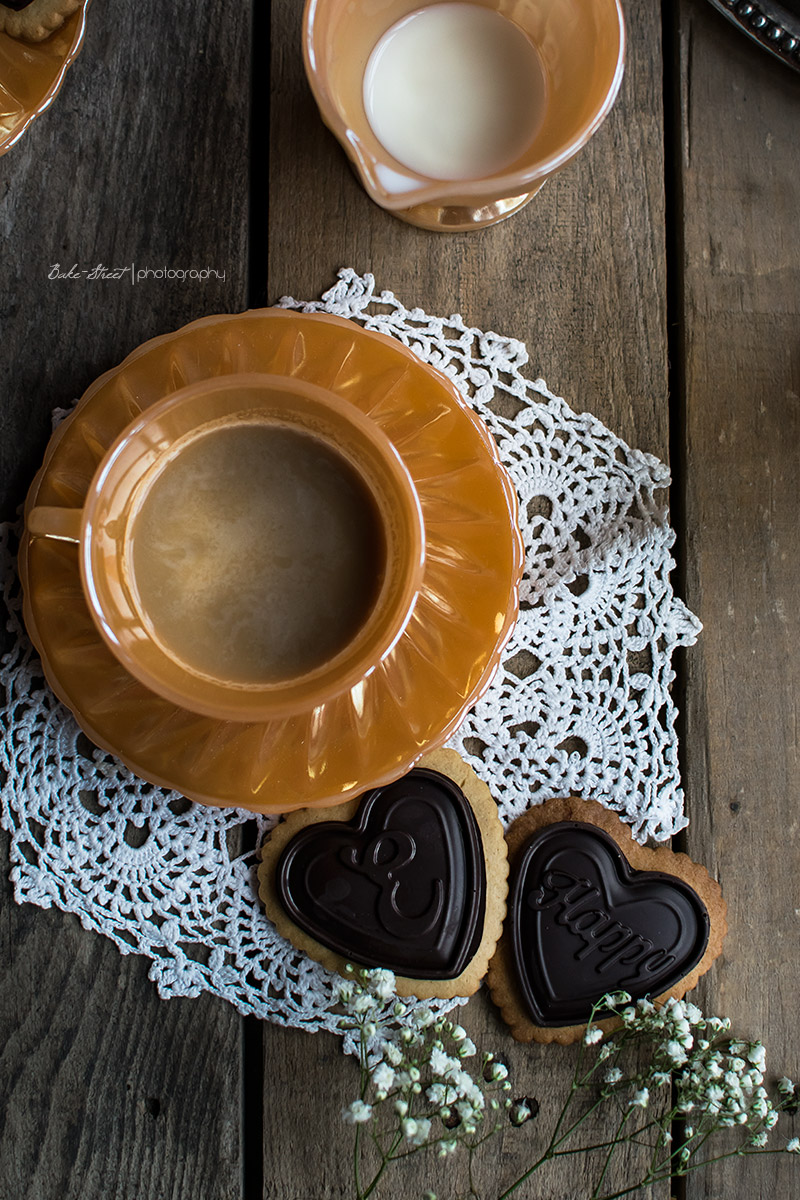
(580, 705)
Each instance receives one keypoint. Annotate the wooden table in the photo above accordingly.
(656, 282)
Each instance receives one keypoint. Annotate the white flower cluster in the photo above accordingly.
(417, 1060)
(718, 1080)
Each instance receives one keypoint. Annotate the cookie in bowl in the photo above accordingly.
(35, 20)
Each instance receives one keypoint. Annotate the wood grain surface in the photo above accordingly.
(106, 1091)
(656, 282)
(740, 433)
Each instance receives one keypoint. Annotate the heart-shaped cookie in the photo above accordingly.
(585, 923)
(402, 886)
(412, 876)
(590, 912)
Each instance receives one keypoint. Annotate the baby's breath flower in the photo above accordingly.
(409, 1127)
(604, 1052)
(498, 1071)
(458, 1033)
(614, 999)
(401, 1107)
(612, 1075)
(675, 1053)
(467, 1048)
(785, 1086)
(523, 1110)
(436, 1093)
(447, 1147)
(393, 1054)
(793, 1145)
(593, 1034)
(364, 1003)
(660, 1078)
(757, 1055)
(357, 1113)
(465, 1111)
(641, 1098)
(382, 983)
(441, 1063)
(346, 992)
(415, 1130)
(383, 1078)
(467, 1088)
(759, 1139)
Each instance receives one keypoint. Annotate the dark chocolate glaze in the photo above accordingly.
(584, 923)
(402, 885)
(17, 5)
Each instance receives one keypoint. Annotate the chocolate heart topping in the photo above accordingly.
(402, 885)
(585, 923)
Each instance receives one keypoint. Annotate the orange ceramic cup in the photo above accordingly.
(111, 530)
(581, 45)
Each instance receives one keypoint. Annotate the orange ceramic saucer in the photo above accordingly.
(414, 699)
(31, 74)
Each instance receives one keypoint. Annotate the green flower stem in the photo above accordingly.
(385, 1160)
(612, 1148)
(362, 1091)
(650, 1178)
(555, 1141)
(357, 1163)
(602, 1145)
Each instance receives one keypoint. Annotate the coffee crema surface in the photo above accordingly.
(257, 552)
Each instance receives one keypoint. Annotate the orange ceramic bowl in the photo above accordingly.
(581, 44)
(414, 696)
(31, 75)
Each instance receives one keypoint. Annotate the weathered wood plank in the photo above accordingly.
(741, 304)
(108, 1092)
(580, 276)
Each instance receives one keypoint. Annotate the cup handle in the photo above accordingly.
(62, 524)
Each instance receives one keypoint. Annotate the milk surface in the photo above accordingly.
(455, 91)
